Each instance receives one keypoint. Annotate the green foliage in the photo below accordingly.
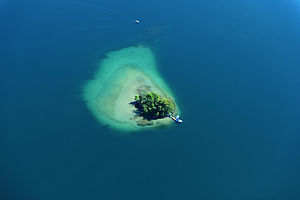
(152, 106)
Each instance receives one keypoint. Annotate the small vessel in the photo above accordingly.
(136, 21)
(175, 119)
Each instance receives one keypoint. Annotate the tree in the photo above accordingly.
(152, 106)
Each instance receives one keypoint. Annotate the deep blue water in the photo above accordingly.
(233, 65)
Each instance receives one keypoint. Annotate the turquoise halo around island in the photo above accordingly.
(120, 77)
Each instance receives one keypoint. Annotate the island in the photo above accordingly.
(127, 93)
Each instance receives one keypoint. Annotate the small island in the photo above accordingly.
(128, 94)
(151, 106)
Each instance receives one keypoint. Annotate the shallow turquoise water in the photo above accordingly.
(233, 66)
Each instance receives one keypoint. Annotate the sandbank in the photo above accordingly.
(121, 75)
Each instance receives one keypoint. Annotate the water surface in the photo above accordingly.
(233, 66)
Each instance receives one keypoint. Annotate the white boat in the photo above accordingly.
(175, 119)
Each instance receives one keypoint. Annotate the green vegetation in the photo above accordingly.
(152, 106)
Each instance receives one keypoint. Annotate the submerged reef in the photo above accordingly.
(127, 92)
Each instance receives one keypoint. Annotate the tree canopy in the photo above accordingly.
(151, 106)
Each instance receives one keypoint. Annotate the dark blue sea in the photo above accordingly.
(233, 65)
